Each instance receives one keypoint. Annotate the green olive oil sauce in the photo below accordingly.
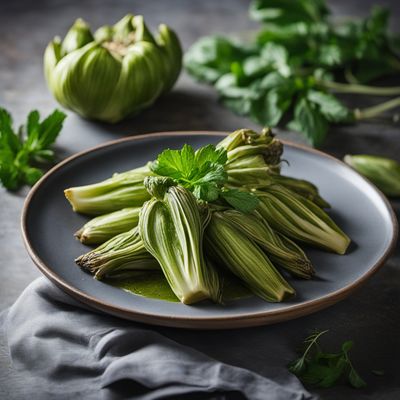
(152, 284)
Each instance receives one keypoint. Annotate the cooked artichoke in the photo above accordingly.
(114, 73)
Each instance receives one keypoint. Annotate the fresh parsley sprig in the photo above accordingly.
(203, 173)
(23, 152)
(314, 367)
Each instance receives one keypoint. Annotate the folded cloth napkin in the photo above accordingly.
(73, 352)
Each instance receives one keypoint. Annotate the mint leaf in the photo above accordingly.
(270, 109)
(332, 108)
(9, 140)
(211, 57)
(309, 121)
(347, 345)
(32, 175)
(177, 164)
(276, 57)
(31, 144)
(288, 11)
(355, 379)
(240, 200)
(189, 167)
(9, 174)
(324, 370)
(206, 191)
(228, 87)
(41, 135)
(211, 154)
(200, 171)
(324, 375)
(50, 129)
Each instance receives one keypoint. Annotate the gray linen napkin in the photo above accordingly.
(73, 352)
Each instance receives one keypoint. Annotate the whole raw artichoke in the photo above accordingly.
(114, 73)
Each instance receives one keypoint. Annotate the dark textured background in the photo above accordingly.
(370, 317)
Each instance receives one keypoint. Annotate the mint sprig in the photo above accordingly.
(23, 153)
(203, 173)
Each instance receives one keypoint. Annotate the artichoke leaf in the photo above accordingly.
(78, 36)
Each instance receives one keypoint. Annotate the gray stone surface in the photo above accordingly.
(370, 317)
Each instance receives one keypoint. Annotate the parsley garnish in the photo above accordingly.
(324, 370)
(203, 173)
(21, 153)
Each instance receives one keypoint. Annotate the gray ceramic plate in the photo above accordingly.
(365, 215)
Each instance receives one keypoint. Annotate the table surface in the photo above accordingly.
(370, 317)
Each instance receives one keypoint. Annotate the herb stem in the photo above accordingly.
(360, 89)
(312, 342)
(371, 112)
(348, 74)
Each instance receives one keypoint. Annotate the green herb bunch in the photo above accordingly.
(317, 368)
(23, 153)
(300, 59)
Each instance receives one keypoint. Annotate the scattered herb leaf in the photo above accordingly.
(324, 370)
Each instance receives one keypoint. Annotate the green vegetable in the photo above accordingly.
(383, 172)
(293, 69)
(244, 143)
(116, 72)
(100, 229)
(232, 194)
(233, 249)
(22, 153)
(252, 157)
(254, 160)
(300, 219)
(302, 187)
(118, 256)
(172, 228)
(324, 370)
(278, 248)
(203, 173)
(122, 190)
